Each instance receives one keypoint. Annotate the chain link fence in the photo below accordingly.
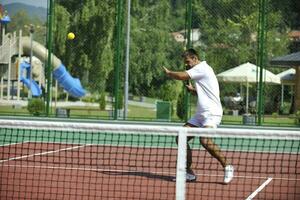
(122, 75)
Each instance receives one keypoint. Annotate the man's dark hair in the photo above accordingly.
(190, 53)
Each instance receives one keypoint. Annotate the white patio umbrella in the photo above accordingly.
(287, 77)
(247, 73)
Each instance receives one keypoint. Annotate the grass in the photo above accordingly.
(281, 121)
(142, 113)
(267, 120)
(9, 110)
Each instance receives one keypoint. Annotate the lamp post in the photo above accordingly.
(127, 60)
(31, 31)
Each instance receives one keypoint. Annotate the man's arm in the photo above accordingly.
(183, 75)
(191, 89)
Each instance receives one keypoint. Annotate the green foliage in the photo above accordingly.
(170, 90)
(22, 21)
(229, 32)
(62, 23)
(152, 46)
(90, 55)
(102, 101)
(275, 115)
(228, 38)
(89, 99)
(36, 106)
(180, 111)
(121, 101)
(297, 120)
(272, 99)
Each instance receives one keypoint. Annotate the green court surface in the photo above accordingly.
(13, 136)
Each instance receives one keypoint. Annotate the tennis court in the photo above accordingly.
(52, 160)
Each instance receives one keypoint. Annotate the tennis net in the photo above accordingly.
(68, 160)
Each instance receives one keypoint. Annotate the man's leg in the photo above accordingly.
(190, 174)
(189, 157)
(215, 151)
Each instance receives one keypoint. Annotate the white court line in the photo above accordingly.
(88, 168)
(260, 188)
(17, 143)
(250, 177)
(42, 153)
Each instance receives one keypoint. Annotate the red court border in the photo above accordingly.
(209, 186)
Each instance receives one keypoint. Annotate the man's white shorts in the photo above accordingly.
(205, 119)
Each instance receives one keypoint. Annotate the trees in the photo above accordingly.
(22, 21)
(152, 47)
(228, 38)
(90, 55)
(61, 29)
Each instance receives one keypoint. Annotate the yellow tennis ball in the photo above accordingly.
(71, 36)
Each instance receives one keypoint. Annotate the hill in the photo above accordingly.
(32, 11)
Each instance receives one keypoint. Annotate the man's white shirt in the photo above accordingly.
(207, 88)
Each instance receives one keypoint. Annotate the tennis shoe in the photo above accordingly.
(228, 173)
(190, 177)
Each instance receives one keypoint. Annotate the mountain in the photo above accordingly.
(36, 3)
(32, 11)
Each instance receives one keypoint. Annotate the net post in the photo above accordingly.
(181, 165)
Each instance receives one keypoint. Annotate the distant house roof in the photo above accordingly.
(287, 60)
(178, 36)
(294, 35)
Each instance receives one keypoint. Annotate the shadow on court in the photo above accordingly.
(141, 174)
(159, 176)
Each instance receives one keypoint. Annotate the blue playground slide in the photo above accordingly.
(31, 84)
(70, 84)
(60, 73)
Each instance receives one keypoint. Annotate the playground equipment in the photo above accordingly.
(29, 82)
(13, 45)
(4, 18)
(5, 58)
(70, 84)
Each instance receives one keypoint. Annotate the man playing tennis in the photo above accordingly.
(209, 109)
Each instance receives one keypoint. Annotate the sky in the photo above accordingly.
(37, 3)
